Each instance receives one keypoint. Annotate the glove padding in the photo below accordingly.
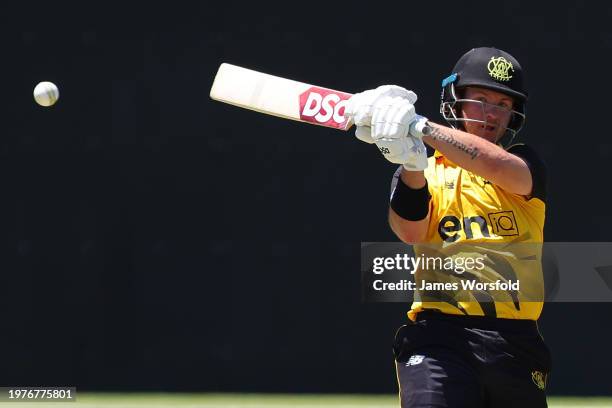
(392, 117)
(384, 116)
(407, 150)
(391, 124)
(418, 160)
(360, 107)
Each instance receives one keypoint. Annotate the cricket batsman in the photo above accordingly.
(457, 352)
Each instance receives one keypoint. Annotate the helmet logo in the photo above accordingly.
(539, 379)
(500, 68)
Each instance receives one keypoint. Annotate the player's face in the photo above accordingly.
(492, 110)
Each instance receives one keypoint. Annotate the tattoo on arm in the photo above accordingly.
(436, 134)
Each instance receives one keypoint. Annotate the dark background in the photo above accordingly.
(152, 239)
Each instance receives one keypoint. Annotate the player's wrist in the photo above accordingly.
(413, 179)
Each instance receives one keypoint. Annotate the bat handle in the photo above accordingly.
(421, 125)
(427, 130)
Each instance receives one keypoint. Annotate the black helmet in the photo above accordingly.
(490, 68)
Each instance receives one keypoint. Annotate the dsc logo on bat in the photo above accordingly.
(324, 107)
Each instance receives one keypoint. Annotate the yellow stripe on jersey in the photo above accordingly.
(468, 209)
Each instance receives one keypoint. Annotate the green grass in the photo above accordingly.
(154, 400)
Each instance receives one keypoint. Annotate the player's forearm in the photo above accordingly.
(410, 232)
(468, 151)
(481, 157)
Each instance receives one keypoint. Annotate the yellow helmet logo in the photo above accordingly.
(500, 68)
(539, 379)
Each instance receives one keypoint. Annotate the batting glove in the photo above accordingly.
(391, 125)
(409, 151)
(360, 107)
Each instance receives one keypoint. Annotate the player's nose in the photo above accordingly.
(491, 117)
(492, 114)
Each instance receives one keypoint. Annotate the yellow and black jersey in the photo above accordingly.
(467, 209)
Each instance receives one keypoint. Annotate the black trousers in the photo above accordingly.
(472, 362)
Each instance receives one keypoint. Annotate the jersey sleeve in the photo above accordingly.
(537, 167)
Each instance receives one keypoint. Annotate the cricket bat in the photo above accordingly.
(280, 97)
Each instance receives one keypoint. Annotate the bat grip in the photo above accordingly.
(427, 130)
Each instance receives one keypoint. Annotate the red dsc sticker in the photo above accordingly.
(324, 107)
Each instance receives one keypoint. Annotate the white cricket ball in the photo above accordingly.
(46, 93)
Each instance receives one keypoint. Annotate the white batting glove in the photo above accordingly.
(392, 117)
(360, 106)
(391, 123)
(409, 151)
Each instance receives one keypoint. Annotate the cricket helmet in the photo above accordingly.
(489, 68)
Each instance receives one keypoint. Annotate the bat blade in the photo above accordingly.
(280, 97)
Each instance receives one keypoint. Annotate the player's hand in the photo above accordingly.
(391, 121)
(360, 107)
(391, 118)
(408, 150)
